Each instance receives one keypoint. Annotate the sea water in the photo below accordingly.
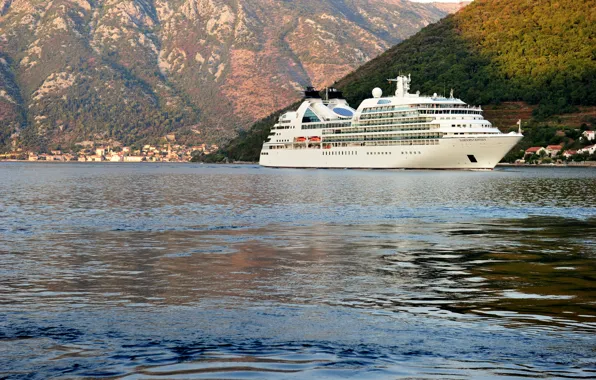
(164, 271)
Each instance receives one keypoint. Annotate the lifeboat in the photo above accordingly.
(301, 139)
(314, 138)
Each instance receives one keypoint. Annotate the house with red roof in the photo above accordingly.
(590, 149)
(534, 150)
(553, 150)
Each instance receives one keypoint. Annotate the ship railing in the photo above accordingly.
(396, 120)
(386, 143)
(386, 109)
(388, 124)
(391, 116)
(435, 105)
(417, 136)
(386, 128)
(381, 129)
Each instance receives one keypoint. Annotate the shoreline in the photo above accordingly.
(584, 164)
(97, 162)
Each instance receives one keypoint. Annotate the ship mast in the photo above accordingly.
(402, 85)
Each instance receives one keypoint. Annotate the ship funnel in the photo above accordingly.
(311, 93)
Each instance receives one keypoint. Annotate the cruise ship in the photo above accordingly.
(404, 131)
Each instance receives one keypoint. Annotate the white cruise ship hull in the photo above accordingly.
(467, 153)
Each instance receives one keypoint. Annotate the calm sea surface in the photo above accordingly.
(163, 271)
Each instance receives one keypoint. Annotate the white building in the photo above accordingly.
(553, 150)
(133, 158)
(96, 158)
(588, 149)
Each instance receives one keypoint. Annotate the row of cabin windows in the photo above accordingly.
(395, 136)
(381, 143)
(340, 153)
(460, 118)
(459, 106)
(476, 133)
(388, 114)
(386, 108)
(283, 127)
(326, 125)
(389, 122)
(402, 142)
(450, 112)
(384, 128)
(353, 153)
(345, 144)
(469, 125)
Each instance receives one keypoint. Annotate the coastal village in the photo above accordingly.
(113, 151)
(556, 154)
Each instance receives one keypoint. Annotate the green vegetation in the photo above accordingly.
(11, 109)
(538, 134)
(541, 53)
(247, 145)
(493, 51)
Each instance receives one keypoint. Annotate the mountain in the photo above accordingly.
(452, 7)
(539, 54)
(134, 70)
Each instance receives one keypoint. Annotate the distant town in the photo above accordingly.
(113, 151)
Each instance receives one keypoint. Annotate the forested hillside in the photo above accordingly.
(539, 52)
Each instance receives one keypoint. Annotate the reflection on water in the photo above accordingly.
(167, 271)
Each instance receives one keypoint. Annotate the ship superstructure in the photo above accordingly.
(406, 130)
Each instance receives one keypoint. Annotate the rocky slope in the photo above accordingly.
(132, 70)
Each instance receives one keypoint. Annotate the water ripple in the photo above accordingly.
(198, 271)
